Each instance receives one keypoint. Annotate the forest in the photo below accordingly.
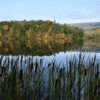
(38, 30)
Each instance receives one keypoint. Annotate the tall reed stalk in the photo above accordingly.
(75, 81)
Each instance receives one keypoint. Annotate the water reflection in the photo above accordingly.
(32, 47)
(59, 58)
(29, 64)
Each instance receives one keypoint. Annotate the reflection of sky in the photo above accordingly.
(60, 58)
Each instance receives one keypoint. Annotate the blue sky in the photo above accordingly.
(63, 11)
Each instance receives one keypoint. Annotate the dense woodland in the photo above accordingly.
(38, 29)
(38, 37)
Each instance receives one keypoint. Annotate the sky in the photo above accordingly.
(62, 11)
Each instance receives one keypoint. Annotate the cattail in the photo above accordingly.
(96, 75)
(31, 66)
(93, 64)
(3, 69)
(1, 59)
(17, 59)
(21, 58)
(25, 61)
(36, 68)
(70, 64)
(0, 74)
(5, 60)
(60, 75)
(29, 59)
(53, 67)
(56, 83)
(94, 58)
(85, 72)
(21, 74)
(79, 58)
(41, 60)
(49, 65)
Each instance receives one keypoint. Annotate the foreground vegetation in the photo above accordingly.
(51, 82)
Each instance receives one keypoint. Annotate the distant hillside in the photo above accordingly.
(86, 26)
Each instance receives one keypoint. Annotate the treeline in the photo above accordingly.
(92, 34)
(38, 29)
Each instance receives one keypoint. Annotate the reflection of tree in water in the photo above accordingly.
(40, 47)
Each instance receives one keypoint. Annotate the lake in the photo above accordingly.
(60, 58)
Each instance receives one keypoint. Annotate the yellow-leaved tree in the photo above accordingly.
(46, 35)
(5, 31)
(17, 33)
(29, 44)
(37, 26)
(49, 30)
(6, 49)
(0, 34)
(11, 32)
(49, 46)
(5, 27)
(48, 22)
(62, 35)
(0, 43)
(29, 33)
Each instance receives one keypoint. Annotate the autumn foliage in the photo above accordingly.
(5, 27)
(38, 30)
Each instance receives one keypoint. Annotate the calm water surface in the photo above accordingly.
(60, 58)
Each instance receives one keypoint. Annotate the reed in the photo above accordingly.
(75, 81)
